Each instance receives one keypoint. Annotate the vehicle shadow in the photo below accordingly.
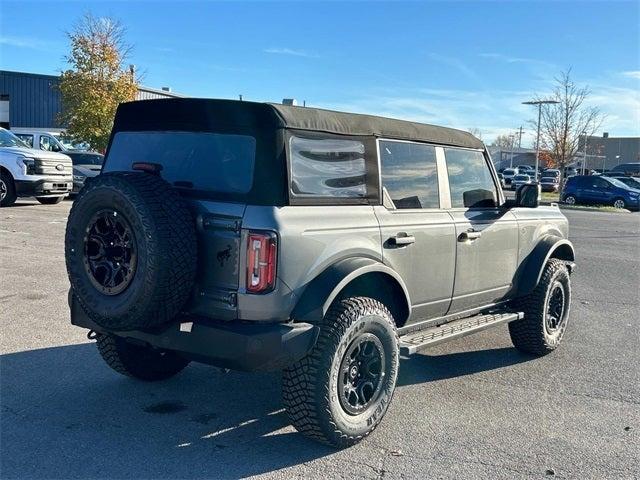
(67, 415)
(431, 368)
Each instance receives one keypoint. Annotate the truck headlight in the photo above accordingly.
(28, 164)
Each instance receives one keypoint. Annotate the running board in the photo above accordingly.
(412, 342)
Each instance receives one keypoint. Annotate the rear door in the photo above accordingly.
(418, 236)
(486, 234)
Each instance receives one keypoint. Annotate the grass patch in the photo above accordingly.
(599, 208)
(550, 197)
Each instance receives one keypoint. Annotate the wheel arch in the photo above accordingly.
(550, 246)
(354, 277)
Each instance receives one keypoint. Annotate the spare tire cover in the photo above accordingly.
(130, 250)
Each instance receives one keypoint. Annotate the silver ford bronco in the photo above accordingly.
(324, 244)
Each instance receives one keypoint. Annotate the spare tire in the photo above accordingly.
(131, 250)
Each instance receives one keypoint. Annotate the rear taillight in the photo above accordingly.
(262, 256)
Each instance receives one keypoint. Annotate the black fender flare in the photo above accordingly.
(320, 293)
(531, 270)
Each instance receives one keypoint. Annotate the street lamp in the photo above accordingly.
(539, 103)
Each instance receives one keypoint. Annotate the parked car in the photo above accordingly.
(508, 174)
(631, 169)
(550, 172)
(631, 182)
(519, 180)
(600, 190)
(25, 172)
(501, 178)
(270, 237)
(85, 165)
(550, 184)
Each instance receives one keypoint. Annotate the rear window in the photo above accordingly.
(521, 177)
(199, 160)
(509, 171)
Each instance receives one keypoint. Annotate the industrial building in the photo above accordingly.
(30, 101)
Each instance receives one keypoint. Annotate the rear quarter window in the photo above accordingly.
(204, 161)
(327, 167)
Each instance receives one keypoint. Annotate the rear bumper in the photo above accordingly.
(43, 187)
(234, 345)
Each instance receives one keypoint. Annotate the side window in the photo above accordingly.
(599, 183)
(26, 138)
(45, 143)
(409, 174)
(327, 167)
(470, 179)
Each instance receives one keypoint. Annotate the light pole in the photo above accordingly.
(539, 103)
(584, 159)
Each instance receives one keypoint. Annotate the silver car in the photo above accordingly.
(324, 244)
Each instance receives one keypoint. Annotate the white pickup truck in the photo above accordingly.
(25, 172)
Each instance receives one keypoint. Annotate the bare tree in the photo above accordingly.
(503, 141)
(475, 132)
(563, 125)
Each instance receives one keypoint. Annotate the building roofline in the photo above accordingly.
(143, 88)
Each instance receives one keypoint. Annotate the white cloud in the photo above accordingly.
(24, 42)
(454, 63)
(290, 51)
(632, 74)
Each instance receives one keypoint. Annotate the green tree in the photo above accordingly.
(96, 83)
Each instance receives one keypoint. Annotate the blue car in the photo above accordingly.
(599, 190)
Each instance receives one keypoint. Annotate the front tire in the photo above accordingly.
(7, 190)
(546, 312)
(570, 200)
(50, 200)
(339, 393)
(137, 361)
(619, 203)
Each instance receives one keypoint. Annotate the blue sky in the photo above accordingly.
(466, 65)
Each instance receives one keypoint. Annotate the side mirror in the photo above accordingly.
(528, 195)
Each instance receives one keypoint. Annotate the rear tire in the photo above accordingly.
(50, 200)
(546, 312)
(143, 363)
(339, 393)
(7, 190)
(570, 200)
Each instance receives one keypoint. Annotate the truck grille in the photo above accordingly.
(52, 167)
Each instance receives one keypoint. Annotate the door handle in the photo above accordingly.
(469, 235)
(402, 239)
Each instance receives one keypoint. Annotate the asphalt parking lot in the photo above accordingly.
(473, 408)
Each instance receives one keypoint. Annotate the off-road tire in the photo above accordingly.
(50, 200)
(137, 361)
(310, 387)
(531, 334)
(164, 239)
(10, 189)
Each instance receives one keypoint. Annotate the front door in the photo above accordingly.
(486, 234)
(418, 236)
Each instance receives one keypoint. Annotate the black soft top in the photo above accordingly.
(199, 114)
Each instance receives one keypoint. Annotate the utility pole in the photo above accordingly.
(584, 160)
(539, 103)
(520, 137)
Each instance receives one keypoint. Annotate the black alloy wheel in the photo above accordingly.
(110, 252)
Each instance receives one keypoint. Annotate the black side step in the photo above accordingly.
(412, 342)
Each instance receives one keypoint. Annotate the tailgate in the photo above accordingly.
(218, 227)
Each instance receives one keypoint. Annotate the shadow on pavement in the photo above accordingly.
(67, 415)
(430, 368)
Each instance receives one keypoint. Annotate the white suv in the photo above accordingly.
(25, 172)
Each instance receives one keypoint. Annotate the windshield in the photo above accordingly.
(548, 179)
(85, 158)
(521, 177)
(198, 160)
(8, 139)
(508, 171)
